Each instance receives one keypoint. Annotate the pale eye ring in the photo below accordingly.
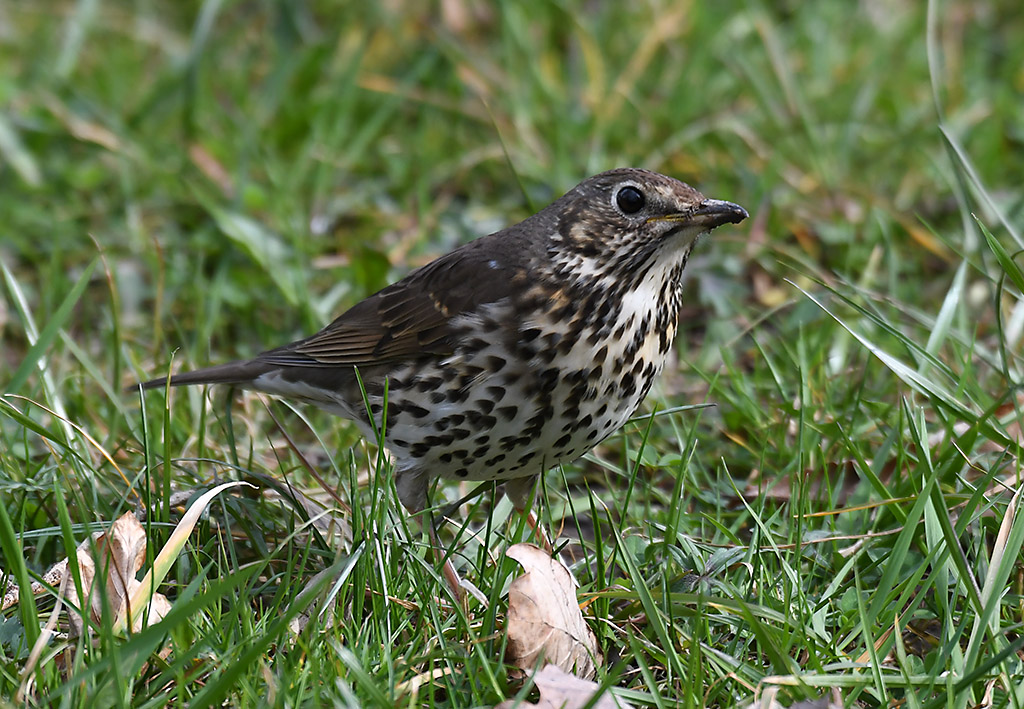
(630, 200)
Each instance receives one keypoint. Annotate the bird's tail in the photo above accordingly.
(241, 372)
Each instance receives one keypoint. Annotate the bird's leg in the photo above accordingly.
(538, 530)
(520, 492)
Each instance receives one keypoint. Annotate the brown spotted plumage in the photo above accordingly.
(515, 352)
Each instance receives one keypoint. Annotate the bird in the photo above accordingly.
(513, 353)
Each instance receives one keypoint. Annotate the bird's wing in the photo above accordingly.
(411, 318)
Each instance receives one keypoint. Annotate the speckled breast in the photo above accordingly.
(514, 401)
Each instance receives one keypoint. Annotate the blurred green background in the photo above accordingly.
(244, 171)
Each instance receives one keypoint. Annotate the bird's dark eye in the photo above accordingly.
(630, 200)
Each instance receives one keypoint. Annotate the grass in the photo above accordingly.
(184, 183)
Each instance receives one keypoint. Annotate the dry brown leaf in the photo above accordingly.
(560, 690)
(121, 549)
(544, 618)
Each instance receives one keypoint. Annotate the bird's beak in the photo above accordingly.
(715, 212)
(709, 214)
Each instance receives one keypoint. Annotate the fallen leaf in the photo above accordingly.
(560, 690)
(120, 550)
(544, 618)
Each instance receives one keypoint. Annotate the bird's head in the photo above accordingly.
(622, 221)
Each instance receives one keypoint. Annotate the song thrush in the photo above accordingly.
(513, 353)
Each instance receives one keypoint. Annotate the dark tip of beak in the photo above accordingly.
(716, 212)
